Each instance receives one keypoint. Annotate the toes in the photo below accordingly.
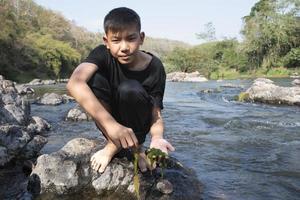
(142, 163)
(103, 167)
(143, 168)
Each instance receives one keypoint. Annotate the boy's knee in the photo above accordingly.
(131, 90)
(100, 87)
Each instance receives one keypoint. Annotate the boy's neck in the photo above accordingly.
(141, 62)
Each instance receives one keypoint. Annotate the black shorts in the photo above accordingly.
(129, 102)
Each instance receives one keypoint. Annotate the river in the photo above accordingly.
(238, 150)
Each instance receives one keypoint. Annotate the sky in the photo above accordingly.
(170, 19)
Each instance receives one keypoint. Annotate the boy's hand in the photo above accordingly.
(122, 136)
(162, 144)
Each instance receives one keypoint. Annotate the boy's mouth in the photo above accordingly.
(125, 57)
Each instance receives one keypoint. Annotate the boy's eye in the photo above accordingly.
(132, 38)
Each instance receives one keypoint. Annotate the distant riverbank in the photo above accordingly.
(266, 73)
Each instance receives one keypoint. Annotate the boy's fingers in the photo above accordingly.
(134, 139)
(124, 143)
(170, 147)
(129, 141)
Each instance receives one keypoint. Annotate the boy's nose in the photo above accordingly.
(124, 46)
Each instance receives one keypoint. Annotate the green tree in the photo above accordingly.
(271, 30)
(209, 33)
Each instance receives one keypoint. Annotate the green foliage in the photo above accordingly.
(271, 30)
(209, 34)
(157, 157)
(136, 180)
(243, 96)
(58, 56)
(210, 59)
(39, 43)
(36, 42)
(292, 58)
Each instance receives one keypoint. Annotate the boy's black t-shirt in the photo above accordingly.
(153, 78)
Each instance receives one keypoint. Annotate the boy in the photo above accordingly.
(122, 88)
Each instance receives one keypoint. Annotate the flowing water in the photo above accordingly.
(238, 150)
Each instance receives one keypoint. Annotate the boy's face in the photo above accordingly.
(124, 45)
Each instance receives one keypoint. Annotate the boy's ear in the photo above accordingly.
(105, 41)
(142, 35)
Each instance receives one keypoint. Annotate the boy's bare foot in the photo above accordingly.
(101, 158)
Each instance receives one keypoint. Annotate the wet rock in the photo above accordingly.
(35, 82)
(164, 186)
(38, 125)
(263, 80)
(4, 155)
(23, 89)
(34, 146)
(16, 137)
(67, 173)
(49, 82)
(51, 99)
(186, 77)
(230, 85)
(13, 137)
(14, 109)
(41, 82)
(264, 91)
(62, 80)
(17, 142)
(78, 114)
(67, 98)
(215, 90)
(296, 82)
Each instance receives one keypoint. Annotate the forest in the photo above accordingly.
(270, 46)
(40, 43)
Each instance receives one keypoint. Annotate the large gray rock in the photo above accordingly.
(51, 99)
(67, 174)
(263, 90)
(186, 77)
(41, 82)
(18, 130)
(14, 109)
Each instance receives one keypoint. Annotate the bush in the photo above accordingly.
(292, 58)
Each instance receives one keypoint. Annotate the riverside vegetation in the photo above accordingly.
(37, 42)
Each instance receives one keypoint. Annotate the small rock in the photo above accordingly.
(51, 99)
(35, 82)
(22, 90)
(78, 114)
(38, 125)
(296, 82)
(164, 186)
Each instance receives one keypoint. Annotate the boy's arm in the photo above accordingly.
(78, 88)
(157, 130)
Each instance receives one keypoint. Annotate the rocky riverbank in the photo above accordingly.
(20, 133)
(185, 77)
(67, 173)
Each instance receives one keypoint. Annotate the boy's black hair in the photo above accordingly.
(119, 19)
